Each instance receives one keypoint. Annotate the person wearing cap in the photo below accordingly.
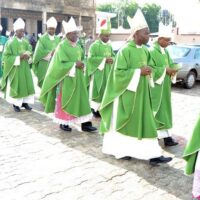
(17, 82)
(127, 119)
(3, 41)
(99, 63)
(165, 71)
(64, 90)
(192, 157)
(44, 50)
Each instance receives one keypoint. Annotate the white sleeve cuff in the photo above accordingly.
(173, 78)
(134, 81)
(17, 61)
(47, 57)
(30, 60)
(161, 79)
(72, 71)
(28, 53)
(102, 65)
(151, 82)
(1, 48)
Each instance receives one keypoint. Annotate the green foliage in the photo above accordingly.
(129, 9)
(106, 8)
(151, 13)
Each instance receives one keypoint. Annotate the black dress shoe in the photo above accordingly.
(170, 142)
(161, 159)
(96, 114)
(65, 127)
(126, 158)
(87, 126)
(16, 108)
(26, 106)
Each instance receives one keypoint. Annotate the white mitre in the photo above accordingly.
(51, 22)
(138, 22)
(18, 24)
(165, 31)
(70, 26)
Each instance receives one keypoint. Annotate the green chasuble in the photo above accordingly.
(74, 91)
(43, 48)
(134, 115)
(191, 150)
(161, 93)
(3, 41)
(20, 77)
(97, 52)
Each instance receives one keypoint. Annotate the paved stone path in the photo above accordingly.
(40, 162)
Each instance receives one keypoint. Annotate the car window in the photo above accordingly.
(197, 54)
(178, 51)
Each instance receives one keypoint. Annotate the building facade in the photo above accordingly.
(36, 12)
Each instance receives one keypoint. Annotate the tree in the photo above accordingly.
(124, 8)
(151, 13)
(128, 9)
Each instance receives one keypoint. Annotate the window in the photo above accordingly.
(4, 23)
(178, 51)
(197, 54)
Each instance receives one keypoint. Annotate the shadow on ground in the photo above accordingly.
(169, 178)
(178, 88)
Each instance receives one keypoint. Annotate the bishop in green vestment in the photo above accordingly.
(192, 157)
(45, 48)
(17, 82)
(3, 41)
(99, 63)
(64, 90)
(165, 71)
(128, 123)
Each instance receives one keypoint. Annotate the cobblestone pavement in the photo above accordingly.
(40, 162)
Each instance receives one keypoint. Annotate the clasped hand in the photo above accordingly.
(109, 60)
(146, 70)
(170, 71)
(24, 56)
(80, 64)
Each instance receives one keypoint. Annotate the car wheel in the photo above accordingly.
(190, 80)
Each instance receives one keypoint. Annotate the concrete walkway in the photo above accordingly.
(38, 161)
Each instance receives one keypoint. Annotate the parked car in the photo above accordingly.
(116, 45)
(188, 59)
